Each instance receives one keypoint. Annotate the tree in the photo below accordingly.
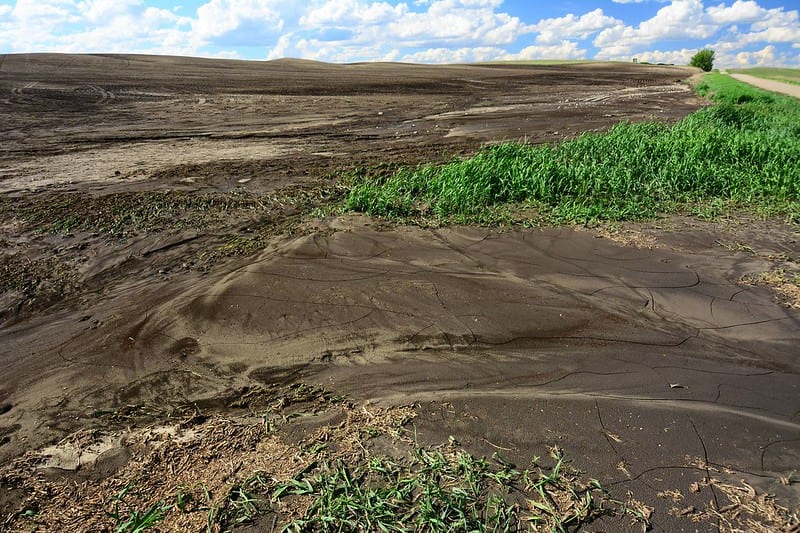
(703, 59)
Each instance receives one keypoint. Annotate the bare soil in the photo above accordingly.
(167, 243)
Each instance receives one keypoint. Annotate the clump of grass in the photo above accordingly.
(128, 519)
(743, 151)
(245, 502)
(443, 489)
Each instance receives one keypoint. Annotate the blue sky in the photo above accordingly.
(743, 32)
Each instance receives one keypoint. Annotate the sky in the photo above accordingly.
(742, 32)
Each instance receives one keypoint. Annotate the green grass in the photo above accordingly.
(131, 520)
(434, 488)
(741, 152)
(445, 489)
(786, 75)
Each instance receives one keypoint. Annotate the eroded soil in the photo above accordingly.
(167, 241)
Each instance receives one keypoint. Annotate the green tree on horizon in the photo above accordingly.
(703, 59)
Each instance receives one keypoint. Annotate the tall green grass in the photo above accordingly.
(744, 150)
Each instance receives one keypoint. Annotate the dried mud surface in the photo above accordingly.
(163, 246)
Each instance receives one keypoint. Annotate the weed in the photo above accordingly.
(441, 489)
(128, 520)
(245, 501)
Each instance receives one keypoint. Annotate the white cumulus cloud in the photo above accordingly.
(740, 11)
(562, 50)
(410, 30)
(681, 19)
(435, 30)
(219, 17)
(555, 30)
(349, 12)
(459, 55)
(746, 21)
(675, 57)
(456, 21)
(764, 57)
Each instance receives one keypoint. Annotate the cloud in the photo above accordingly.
(454, 22)
(563, 50)
(219, 18)
(765, 57)
(434, 30)
(777, 25)
(741, 11)
(767, 27)
(690, 20)
(31, 22)
(410, 30)
(92, 26)
(478, 30)
(102, 10)
(682, 19)
(151, 30)
(350, 12)
(460, 55)
(41, 9)
(674, 57)
(555, 30)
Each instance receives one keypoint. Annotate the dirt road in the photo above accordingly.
(169, 240)
(769, 85)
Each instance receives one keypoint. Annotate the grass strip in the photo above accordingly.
(743, 151)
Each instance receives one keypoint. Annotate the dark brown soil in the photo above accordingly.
(167, 238)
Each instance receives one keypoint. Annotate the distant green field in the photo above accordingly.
(786, 75)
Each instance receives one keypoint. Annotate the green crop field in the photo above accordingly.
(742, 152)
(786, 75)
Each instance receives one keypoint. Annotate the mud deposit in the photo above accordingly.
(167, 251)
